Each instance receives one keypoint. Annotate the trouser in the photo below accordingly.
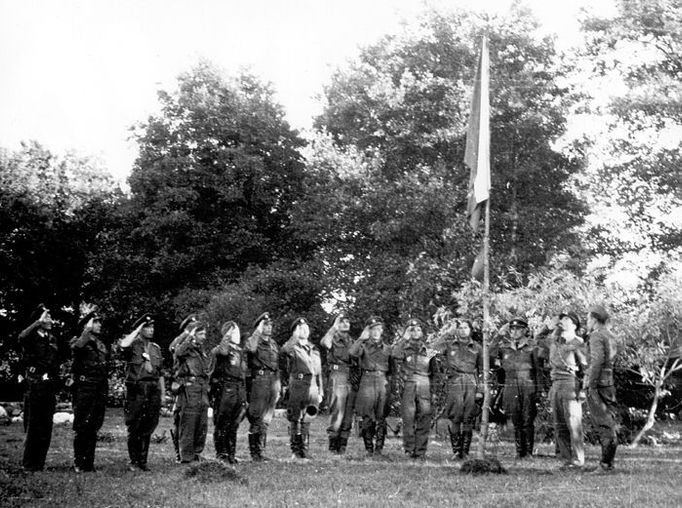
(265, 390)
(89, 405)
(340, 390)
(460, 402)
(519, 401)
(567, 415)
(192, 420)
(416, 414)
(372, 404)
(602, 404)
(228, 412)
(141, 412)
(39, 405)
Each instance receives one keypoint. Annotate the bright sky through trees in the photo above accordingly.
(76, 74)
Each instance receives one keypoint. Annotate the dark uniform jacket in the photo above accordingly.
(143, 362)
(339, 354)
(90, 359)
(462, 358)
(517, 360)
(372, 356)
(230, 363)
(302, 360)
(414, 358)
(41, 354)
(603, 347)
(193, 363)
(263, 353)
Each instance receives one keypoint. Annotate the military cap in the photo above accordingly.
(38, 311)
(414, 322)
(265, 316)
(599, 312)
(572, 316)
(296, 322)
(145, 319)
(192, 318)
(90, 315)
(342, 315)
(227, 326)
(374, 321)
(518, 322)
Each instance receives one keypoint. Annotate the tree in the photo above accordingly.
(212, 192)
(395, 227)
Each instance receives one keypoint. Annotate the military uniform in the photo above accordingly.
(342, 397)
(462, 362)
(565, 360)
(263, 362)
(601, 392)
(305, 372)
(41, 355)
(519, 361)
(90, 391)
(417, 365)
(191, 405)
(143, 396)
(373, 393)
(228, 391)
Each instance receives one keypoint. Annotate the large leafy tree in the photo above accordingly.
(404, 104)
(212, 189)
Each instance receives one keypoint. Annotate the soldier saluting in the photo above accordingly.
(144, 389)
(90, 389)
(40, 353)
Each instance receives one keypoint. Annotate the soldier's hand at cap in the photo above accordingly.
(45, 316)
(89, 325)
(504, 330)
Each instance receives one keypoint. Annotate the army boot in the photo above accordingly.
(456, 443)
(466, 443)
(381, 437)
(342, 444)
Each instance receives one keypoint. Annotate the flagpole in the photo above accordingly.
(486, 332)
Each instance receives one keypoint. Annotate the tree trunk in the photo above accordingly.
(650, 419)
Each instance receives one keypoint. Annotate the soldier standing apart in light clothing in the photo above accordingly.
(40, 353)
(372, 399)
(305, 386)
(144, 389)
(462, 361)
(337, 341)
(90, 390)
(518, 358)
(263, 359)
(565, 352)
(192, 375)
(417, 365)
(228, 391)
(601, 392)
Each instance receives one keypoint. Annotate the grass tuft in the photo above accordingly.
(489, 465)
(214, 471)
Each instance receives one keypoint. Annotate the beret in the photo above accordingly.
(192, 318)
(90, 315)
(374, 321)
(599, 312)
(227, 325)
(519, 322)
(147, 319)
(263, 317)
(38, 311)
(296, 322)
(414, 322)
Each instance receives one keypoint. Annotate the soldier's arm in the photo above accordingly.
(128, 339)
(597, 355)
(79, 342)
(327, 339)
(183, 346)
(356, 349)
(28, 330)
(251, 344)
(176, 341)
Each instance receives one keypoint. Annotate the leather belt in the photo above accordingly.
(302, 376)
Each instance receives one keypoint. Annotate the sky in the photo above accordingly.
(77, 74)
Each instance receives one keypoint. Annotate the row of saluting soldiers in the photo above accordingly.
(360, 376)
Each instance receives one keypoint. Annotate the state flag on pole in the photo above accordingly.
(477, 153)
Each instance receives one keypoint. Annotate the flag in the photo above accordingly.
(477, 153)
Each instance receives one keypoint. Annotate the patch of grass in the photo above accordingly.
(648, 476)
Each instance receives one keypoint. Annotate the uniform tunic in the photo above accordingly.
(565, 360)
(372, 398)
(417, 365)
(192, 400)
(41, 357)
(342, 397)
(305, 369)
(90, 391)
(263, 361)
(601, 392)
(229, 395)
(462, 363)
(143, 396)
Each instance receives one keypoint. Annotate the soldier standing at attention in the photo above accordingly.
(372, 399)
(337, 341)
(144, 389)
(90, 390)
(228, 391)
(263, 359)
(40, 353)
(519, 361)
(192, 375)
(601, 392)
(417, 365)
(565, 353)
(463, 365)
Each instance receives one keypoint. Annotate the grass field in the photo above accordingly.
(645, 477)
